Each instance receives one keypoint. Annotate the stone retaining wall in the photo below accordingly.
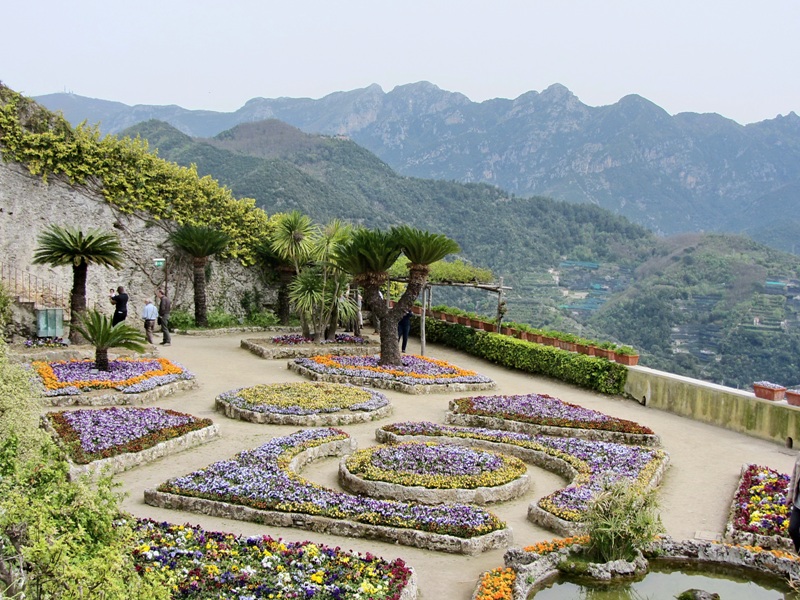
(340, 527)
(128, 460)
(118, 398)
(389, 384)
(416, 493)
(313, 420)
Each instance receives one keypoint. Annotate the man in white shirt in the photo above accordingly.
(149, 314)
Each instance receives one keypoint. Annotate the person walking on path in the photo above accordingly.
(793, 500)
(403, 329)
(150, 316)
(164, 306)
(120, 302)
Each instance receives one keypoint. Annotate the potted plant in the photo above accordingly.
(625, 355)
(768, 390)
(793, 396)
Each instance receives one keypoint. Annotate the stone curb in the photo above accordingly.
(306, 351)
(417, 493)
(455, 418)
(389, 384)
(313, 420)
(339, 527)
(732, 535)
(228, 330)
(129, 460)
(119, 398)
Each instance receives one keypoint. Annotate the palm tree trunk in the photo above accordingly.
(77, 301)
(200, 308)
(101, 359)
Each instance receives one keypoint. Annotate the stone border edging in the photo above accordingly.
(307, 351)
(120, 398)
(390, 384)
(417, 493)
(128, 460)
(732, 535)
(227, 330)
(312, 420)
(535, 570)
(408, 537)
(595, 435)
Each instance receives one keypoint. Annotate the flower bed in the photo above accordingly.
(295, 345)
(304, 403)
(417, 374)
(433, 473)
(759, 515)
(540, 413)
(209, 564)
(108, 437)
(262, 485)
(128, 375)
(588, 463)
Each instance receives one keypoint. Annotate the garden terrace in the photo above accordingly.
(262, 485)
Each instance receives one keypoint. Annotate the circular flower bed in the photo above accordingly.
(294, 403)
(434, 473)
(128, 375)
(416, 374)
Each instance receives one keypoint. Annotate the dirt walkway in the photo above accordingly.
(695, 494)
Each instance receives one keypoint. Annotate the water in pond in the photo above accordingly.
(664, 583)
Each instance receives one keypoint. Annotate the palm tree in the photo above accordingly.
(284, 271)
(60, 246)
(368, 257)
(200, 242)
(101, 334)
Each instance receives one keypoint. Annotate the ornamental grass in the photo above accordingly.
(760, 502)
(435, 466)
(93, 434)
(545, 410)
(201, 564)
(261, 478)
(415, 370)
(595, 462)
(128, 375)
(306, 398)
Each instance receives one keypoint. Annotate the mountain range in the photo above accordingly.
(671, 174)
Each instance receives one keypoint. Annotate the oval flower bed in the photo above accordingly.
(587, 462)
(541, 413)
(417, 374)
(262, 485)
(128, 375)
(759, 515)
(304, 403)
(91, 435)
(210, 564)
(433, 473)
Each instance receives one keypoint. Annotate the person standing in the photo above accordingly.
(793, 500)
(404, 328)
(149, 315)
(120, 302)
(164, 306)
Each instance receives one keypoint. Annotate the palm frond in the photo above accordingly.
(423, 247)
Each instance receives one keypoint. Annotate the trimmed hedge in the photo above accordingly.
(589, 372)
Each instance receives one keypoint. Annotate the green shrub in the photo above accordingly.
(181, 319)
(219, 318)
(265, 318)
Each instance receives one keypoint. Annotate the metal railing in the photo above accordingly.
(29, 288)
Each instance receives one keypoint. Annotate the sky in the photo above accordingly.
(738, 58)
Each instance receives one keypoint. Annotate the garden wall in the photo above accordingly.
(733, 409)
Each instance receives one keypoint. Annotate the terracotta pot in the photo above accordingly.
(627, 359)
(582, 348)
(491, 327)
(767, 393)
(793, 397)
(476, 323)
(451, 318)
(463, 320)
(417, 310)
(505, 330)
(548, 341)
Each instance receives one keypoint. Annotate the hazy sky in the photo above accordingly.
(739, 58)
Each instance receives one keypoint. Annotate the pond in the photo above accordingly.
(667, 581)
